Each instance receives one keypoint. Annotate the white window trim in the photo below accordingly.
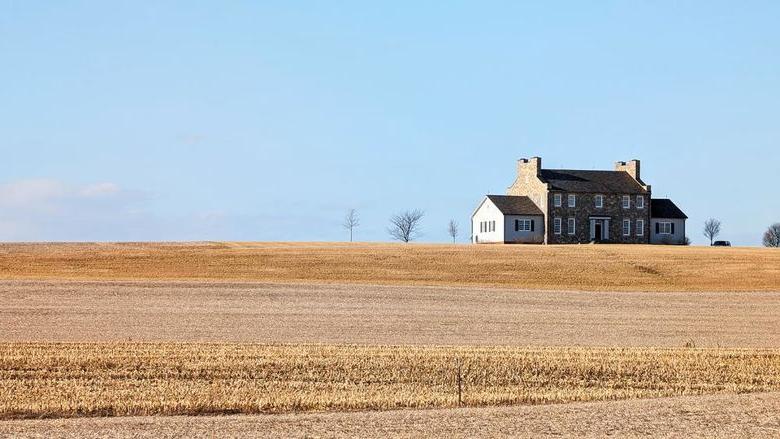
(558, 226)
(572, 200)
(524, 225)
(662, 227)
(599, 202)
(557, 200)
(626, 230)
(640, 227)
(626, 202)
(571, 226)
(638, 204)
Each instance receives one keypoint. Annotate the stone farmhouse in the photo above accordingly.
(563, 206)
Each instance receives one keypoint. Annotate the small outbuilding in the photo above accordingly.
(507, 219)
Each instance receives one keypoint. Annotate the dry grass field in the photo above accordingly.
(583, 267)
(64, 380)
(247, 312)
(287, 331)
(751, 415)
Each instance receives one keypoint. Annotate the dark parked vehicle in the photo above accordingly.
(721, 244)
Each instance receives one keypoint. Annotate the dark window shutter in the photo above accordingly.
(517, 225)
(657, 228)
(672, 228)
(532, 225)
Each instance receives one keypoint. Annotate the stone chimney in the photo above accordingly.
(532, 166)
(632, 167)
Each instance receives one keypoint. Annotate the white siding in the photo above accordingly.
(487, 212)
(535, 237)
(678, 237)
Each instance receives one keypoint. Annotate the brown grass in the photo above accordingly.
(63, 380)
(579, 267)
(727, 416)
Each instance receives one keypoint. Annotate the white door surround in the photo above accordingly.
(599, 224)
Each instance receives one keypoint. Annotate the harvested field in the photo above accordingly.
(578, 267)
(713, 416)
(63, 380)
(530, 325)
(267, 313)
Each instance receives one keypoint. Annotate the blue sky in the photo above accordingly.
(268, 120)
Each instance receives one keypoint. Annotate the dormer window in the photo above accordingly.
(599, 201)
(572, 200)
(626, 202)
(640, 202)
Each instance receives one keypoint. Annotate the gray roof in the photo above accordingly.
(515, 205)
(569, 180)
(665, 208)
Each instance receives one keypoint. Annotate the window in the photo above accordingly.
(557, 226)
(481, 226)
(492, 226)
(557, 200)
(664, 228)
(572, 200)
(640, 202)
(524, 225)
(626, 227)
(571, 226)
(599, 201)
(626, 202)
(640, 227)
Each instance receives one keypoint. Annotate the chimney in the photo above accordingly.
(532, 166)
(632, 167)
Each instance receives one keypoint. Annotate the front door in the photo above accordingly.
(597, 231)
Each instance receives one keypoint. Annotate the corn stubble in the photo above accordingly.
(118, 379)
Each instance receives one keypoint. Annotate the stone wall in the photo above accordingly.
(528, 183)
(586, 207)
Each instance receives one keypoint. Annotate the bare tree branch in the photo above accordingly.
(772, 236)
(452, 229)
(711, 229)
(405, 226)
(351, 221)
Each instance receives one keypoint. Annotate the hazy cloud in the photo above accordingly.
(46, 209)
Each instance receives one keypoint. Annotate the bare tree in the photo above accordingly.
(405, 226)
(772, 236)
(452, 228)
(351, 221)
(711, 229)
